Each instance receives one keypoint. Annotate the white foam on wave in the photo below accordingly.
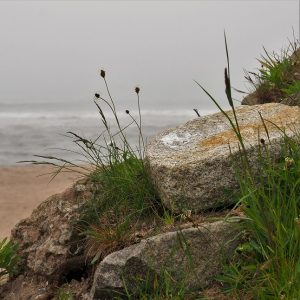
(87, 115)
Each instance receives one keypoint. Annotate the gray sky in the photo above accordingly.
(52, 51)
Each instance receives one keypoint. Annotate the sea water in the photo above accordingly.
(29, 129)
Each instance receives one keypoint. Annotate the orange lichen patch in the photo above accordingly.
(287, 115)
(285, 118)
(248, 131)
(229, 136)
(219, 139)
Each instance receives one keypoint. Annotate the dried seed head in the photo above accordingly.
(228, 88)
(137, 90)
(288, 162)
(262, 141)
(97, 95)
(102, 73)
(127, 111)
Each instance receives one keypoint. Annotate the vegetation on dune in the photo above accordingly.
(267, 264)
(125, 201)
(127, 196)
(278, 78)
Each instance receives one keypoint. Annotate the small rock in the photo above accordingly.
(192, 255)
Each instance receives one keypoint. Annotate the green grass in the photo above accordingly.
(125, 195)
(293, 88)
(64, 294)
(267, 265)
(276, 71)
(8, 258)
(156, 287)
(277, 76)
(126, 188)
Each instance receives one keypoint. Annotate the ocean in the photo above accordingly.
(29, 129)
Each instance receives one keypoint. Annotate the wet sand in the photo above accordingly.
(22, 189)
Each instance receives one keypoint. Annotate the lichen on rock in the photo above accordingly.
(191, 165)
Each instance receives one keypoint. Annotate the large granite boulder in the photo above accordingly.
(191, 256)
(191, 165)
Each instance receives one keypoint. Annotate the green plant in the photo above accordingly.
(276, 71)
(267, 265)
(125, 191)
(277, 76)
(293, 88)
(64, 294)
(168, 217)
(8, 257)
(157, 287)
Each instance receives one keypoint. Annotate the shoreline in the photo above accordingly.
(23, 188)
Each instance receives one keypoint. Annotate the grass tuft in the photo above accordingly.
(125, 195)
(157, 287)
(64, 295)
(278, 76)
(8, 258)
(267, 265)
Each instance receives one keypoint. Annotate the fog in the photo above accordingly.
(52, 51)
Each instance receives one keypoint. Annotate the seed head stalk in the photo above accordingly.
(236, 128)
(113, 109)
(141, 138)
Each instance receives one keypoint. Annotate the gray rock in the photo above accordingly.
(46, 237)
(191, 256)
(191, 165)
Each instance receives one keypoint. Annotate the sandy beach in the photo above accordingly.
(22, 189)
